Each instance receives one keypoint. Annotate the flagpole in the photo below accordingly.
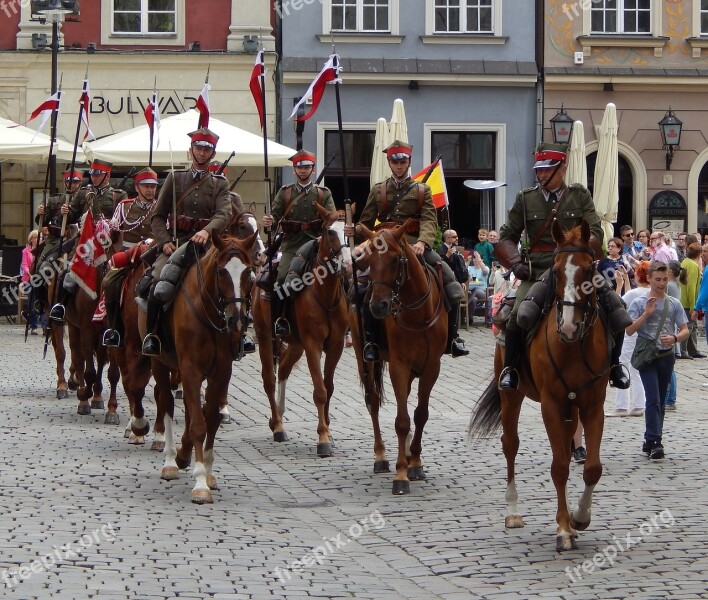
(266, 170)
(76, 145)
(51, 164)
(152, 120)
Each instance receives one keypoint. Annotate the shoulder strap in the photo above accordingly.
(547, 222)
(383, 198)
(667, 301)
(421, 196)
(320, 195)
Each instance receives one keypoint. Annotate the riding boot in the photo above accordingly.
(514, 344)
(151, 344)
(372, 352)
(455, 346)
(112, 337)
(619, 378)
(280, 308)
(58, 312)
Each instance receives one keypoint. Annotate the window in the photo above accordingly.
(621, 16)
(365, 16)
(463, 16)
(704, 17)
(470, 152)
(144, 17)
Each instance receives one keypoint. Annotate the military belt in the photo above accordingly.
(186, 224)
(294, 226)
(543, 247)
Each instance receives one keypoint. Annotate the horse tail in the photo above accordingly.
(486, 418)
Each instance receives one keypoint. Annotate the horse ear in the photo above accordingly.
(327, 216)
(250, 241)
(366, 232)
(585, 231)
(558, 234)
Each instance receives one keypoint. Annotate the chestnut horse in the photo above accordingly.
(566, 369)
(205, 322)
(409, 301)
(55, 336)
(318, 323)
(135, 368)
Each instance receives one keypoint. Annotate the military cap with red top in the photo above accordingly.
(549, 155)
(99, 166)
(303, 158)
(146, 175)
(399, 150)
(73, 176)
(204, 137)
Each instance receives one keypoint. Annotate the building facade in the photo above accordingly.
(645, 56)
(126, 53)
(465, 71)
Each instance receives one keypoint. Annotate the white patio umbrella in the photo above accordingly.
(577, 171)
(22, 144)
(606, 187)
(132, 147)
(379, 165)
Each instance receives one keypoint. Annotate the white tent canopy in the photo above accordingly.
(132, 147)
(22, 144)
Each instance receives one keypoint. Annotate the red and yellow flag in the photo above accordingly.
(436, 181)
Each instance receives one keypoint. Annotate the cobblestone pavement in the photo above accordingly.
(85, 515)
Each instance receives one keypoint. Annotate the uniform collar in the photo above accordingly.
(399, 183)
(303, 188)
(197, 174)
(102, 190)
(560, 192)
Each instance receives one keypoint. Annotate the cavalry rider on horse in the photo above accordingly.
(51, 217)
(103, 199)
(295, 214)
(203, 207)
(534, 211)
(132, 219)
(393, 202)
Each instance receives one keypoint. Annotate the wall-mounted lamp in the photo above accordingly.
(194, 47)
(250, 44)
(608, 87)
(39, 41)
(413, 84)
(561, 127)
(670, 127)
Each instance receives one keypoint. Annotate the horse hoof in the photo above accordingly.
(169, 473)
(381, 466)
(178, 395)
(83, 409)
(112, 418)
(97, 404)
(201, 497)
(280, 436)
(416, 474)
(211, 482)
(324, 450)
(126, 433)
(566, 542)
(62, 393)
(183, 463)
(225, 418)
(136, 440)
(157, 446)
(142, 431)
(401, 487)
(577, 525)
(513, 521)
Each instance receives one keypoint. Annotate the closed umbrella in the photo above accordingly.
(606, 188)
(577, 171)
(397, 127)
(379, 164)
(132, 147)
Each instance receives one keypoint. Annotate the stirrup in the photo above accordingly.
(111, 338)
(508, 379)
(282, 326)
(371, 352)
(152, 346)
(58, 313)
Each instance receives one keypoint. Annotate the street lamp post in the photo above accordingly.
(670, 127)
(561, 127)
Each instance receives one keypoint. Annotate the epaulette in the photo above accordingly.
(577, 186)
(219, 175)
(529, 189)
(322, 187)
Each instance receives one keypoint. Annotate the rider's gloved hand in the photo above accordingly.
(521, 271)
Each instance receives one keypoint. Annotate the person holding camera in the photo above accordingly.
(451, 255)
(478, 276)
(615, 268)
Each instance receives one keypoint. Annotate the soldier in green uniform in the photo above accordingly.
(101, 198)
(294, 213)
(534, 211)
(51, 218)
(393, 202)
(203, 206)
(132, 220)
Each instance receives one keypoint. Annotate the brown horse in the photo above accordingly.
(405, 296)
(205, 323)
(55, 336)
(566, 369)
(319, 319)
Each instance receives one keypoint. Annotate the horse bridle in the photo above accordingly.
(401, 278)
(590, 312)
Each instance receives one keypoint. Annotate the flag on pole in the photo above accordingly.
(255, 85)
(203, 106)
(328, 73)
(152, 115)
(89, 255)
(45, 109)
(84, 107)
(436, 182)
